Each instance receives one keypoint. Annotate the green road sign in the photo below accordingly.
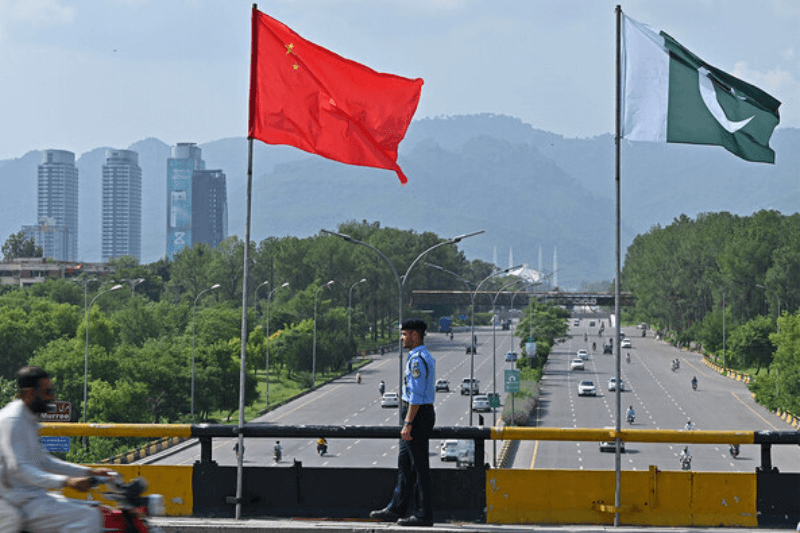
(512, 380)
(494, 401)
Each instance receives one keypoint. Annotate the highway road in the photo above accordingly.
(662, 399)
(345, 402)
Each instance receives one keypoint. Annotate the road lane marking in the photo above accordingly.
(535, 451)
(753, 411)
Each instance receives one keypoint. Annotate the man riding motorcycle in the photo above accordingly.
(322, 446)
(28, 472)
(630, 415)
(278, 451)
(694, 383)
(685, 459)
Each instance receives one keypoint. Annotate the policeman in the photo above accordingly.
(413, 494)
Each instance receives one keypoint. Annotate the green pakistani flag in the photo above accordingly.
(671, 95)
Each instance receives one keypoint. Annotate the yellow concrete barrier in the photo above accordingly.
(651, 498)
(174, 483)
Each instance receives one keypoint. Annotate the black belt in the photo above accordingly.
(404, 405)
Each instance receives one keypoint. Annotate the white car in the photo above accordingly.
(390, 399)
(587, 388)
(626, 343)
(480, 403)
(576, 322)
(583, 354)
(576, 364)
(612, 384)
(449, 450)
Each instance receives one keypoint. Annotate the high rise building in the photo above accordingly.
(197, 201)
(58, 205)
(122, 205)
(185, 160)
(209, 207)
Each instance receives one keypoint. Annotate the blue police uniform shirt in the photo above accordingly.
(420, 377)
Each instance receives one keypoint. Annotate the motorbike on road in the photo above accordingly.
(734, 450)
(130, 508)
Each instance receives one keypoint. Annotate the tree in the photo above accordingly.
(750, 343)
(16, 246)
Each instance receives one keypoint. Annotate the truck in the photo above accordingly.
(445, 324)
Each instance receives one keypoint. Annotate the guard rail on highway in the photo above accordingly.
(654, 497)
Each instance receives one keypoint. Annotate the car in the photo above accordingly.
(511, 356)
(390, 399)
(607, 348)
(480, 403)
(611, 445)
(442, 385)
(591, 323)
(465, 453)
(449, 450)
(576, 322)
(587, 388)
(626, 343)
(583, 354)
(465, 386)
(576, 364)
(612, 384)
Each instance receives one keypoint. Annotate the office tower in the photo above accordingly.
(58, 205)
(209, 207)
(180, 167)
(122, 205)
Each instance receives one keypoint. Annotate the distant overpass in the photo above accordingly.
(567, 299)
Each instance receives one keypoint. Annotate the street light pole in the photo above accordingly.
(269, 297)
(314, 347)
(400, 286)
(86, 356)
(133, 283)
(473, 346)
(194, 315)
(350, 304)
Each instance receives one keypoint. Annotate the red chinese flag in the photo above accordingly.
(306, 96)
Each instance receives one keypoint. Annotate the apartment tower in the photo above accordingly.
(122, 205)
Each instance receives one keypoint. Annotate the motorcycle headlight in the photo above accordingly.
(155, 505)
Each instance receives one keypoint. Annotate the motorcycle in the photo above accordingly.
(278, 455)
(686, 463)
(322, 449)
(631, 418)
(131, 509)
(734, 450)
(675, 366)
(694, 384)
(594, 346)
(627, 358)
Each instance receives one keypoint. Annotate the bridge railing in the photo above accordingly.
(654, 497)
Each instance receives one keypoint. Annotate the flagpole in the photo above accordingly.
(243, 357)
(617, 457)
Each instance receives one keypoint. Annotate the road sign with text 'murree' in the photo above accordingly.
(512, 378)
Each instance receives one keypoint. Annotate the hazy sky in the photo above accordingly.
(80, 74)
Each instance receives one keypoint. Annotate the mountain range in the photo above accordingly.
(532, 191)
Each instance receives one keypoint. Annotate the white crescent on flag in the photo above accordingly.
(709, 95)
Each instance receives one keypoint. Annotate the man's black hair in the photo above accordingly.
(415, 324)
(29, 376)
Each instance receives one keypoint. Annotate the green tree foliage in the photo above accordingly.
(547, 323)
(750, 343)
(16, 246)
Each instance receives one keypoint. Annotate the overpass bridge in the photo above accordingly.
(479, 494)
(504, 298)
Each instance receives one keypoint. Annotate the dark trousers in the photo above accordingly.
(413, 494)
